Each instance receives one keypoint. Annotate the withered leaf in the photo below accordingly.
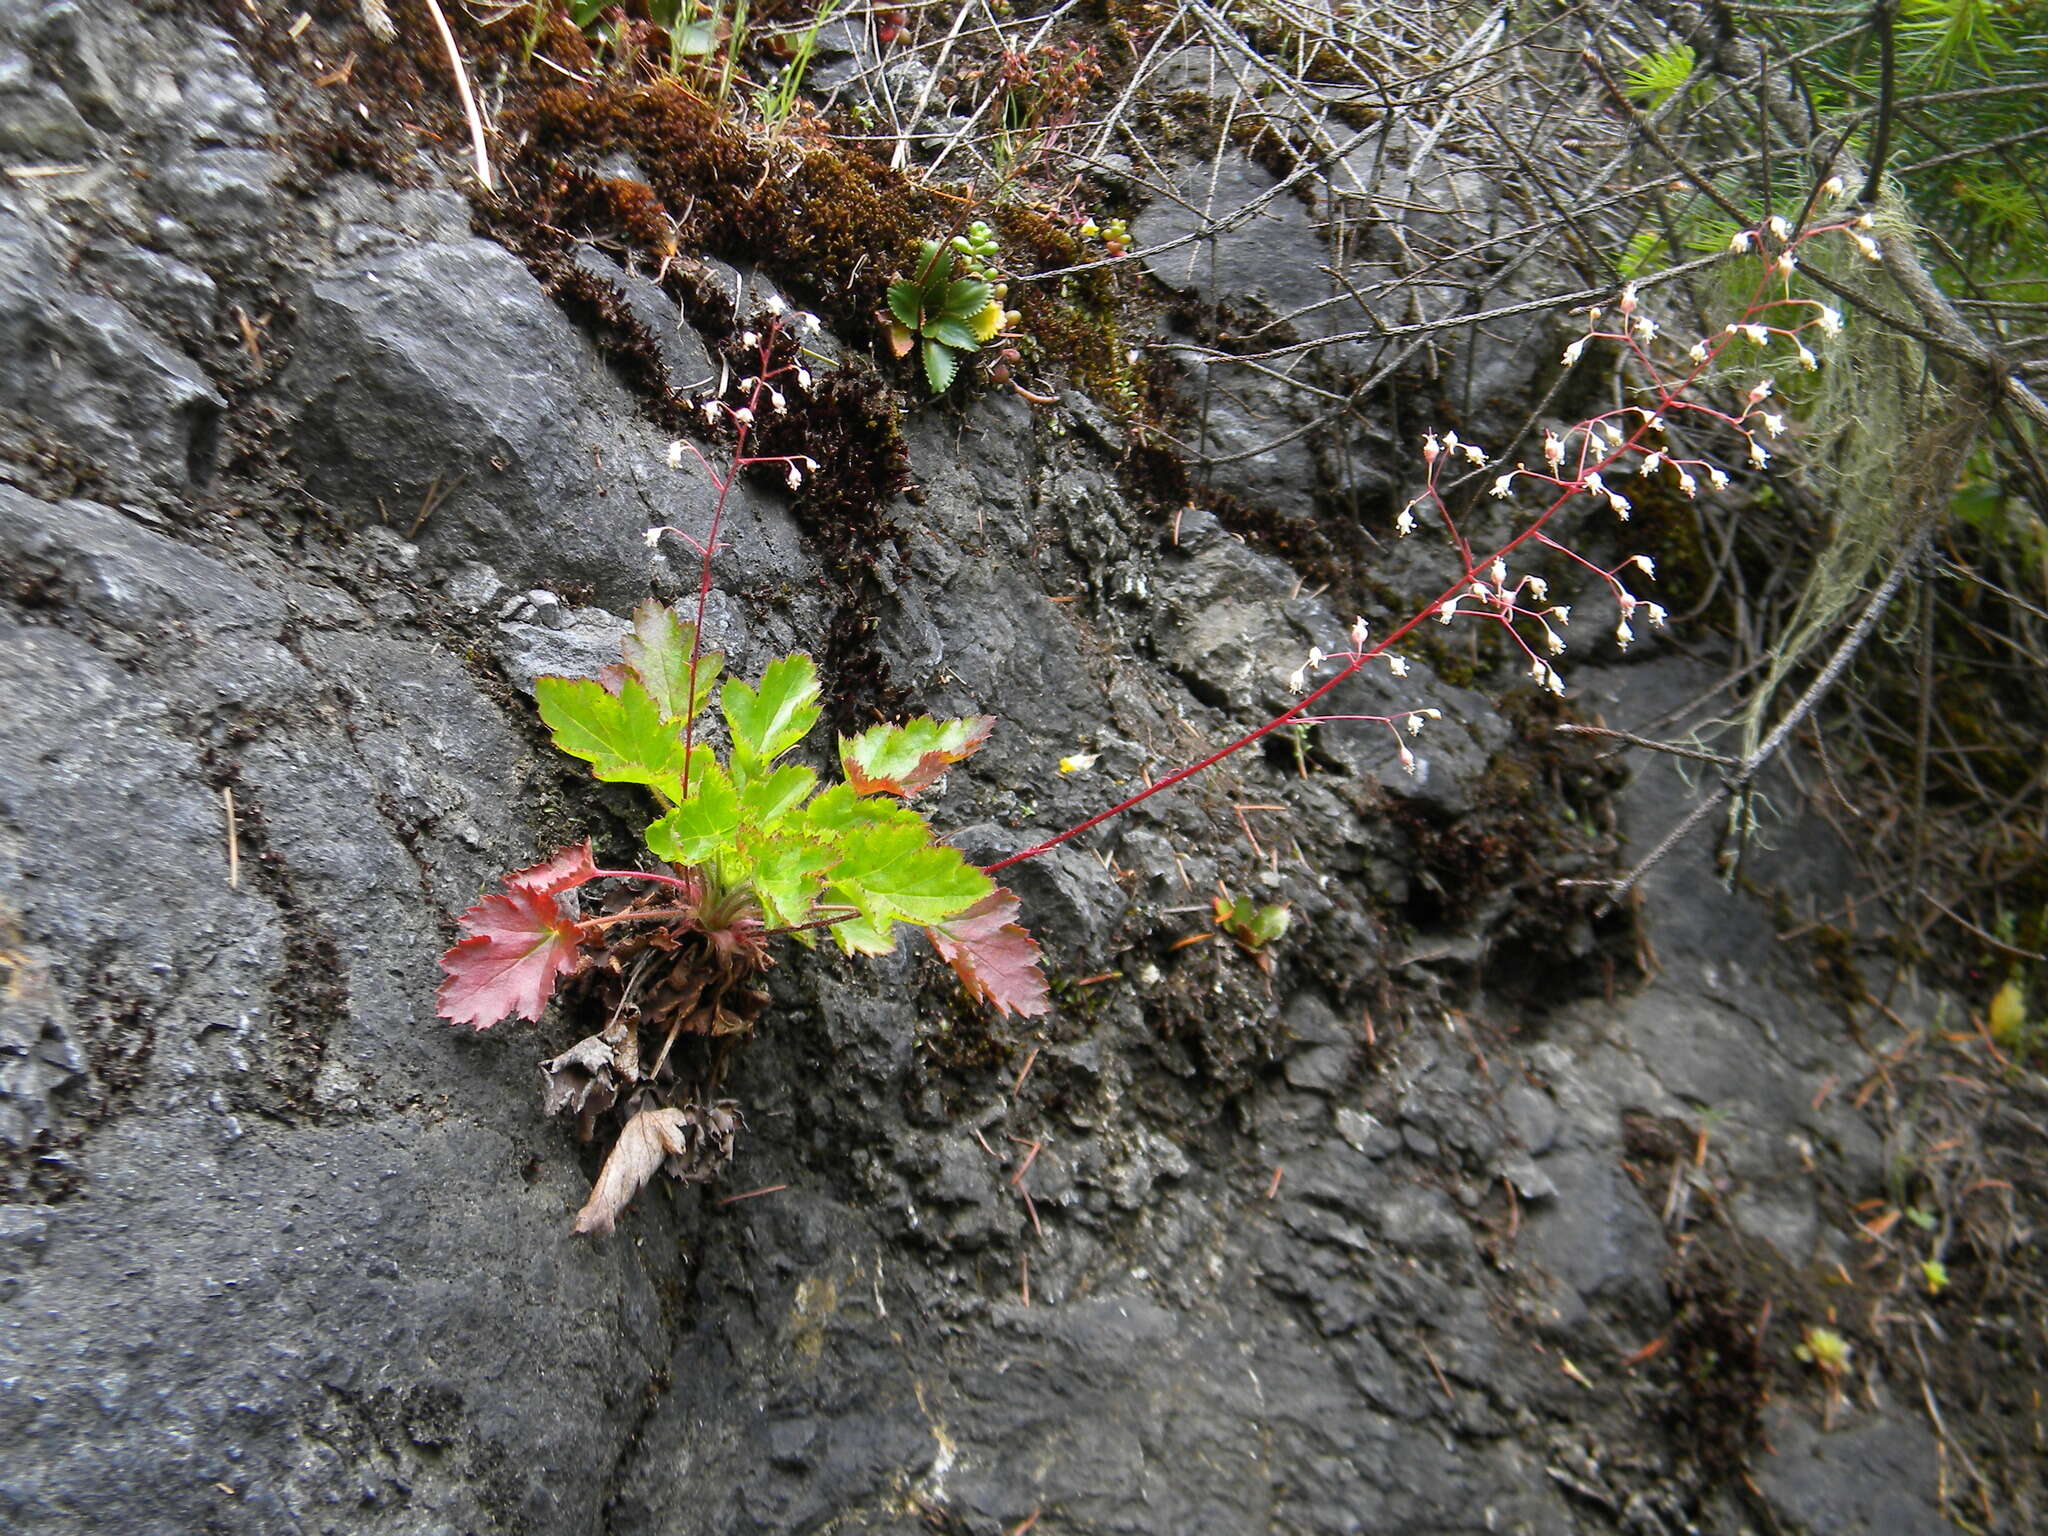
(584, 1080)
(648, 1138)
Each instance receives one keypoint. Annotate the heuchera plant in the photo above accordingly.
(749, 848)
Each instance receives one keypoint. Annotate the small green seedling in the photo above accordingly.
(1252, 926)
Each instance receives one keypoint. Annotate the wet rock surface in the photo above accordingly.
(1363, 1245)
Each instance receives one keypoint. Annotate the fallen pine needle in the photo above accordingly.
(750, 1194)
(227, 798)
(1649, 1351)
(1018, 1086)
(1273, 1188)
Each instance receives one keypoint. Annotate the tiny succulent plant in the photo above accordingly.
(948, 317)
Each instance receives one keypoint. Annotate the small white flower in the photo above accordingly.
(1358, 632)
(1571, 353)
(1645, 328)
(803, 378)
(1594, 485)
(1562, 613)
(1553, 682)
(1450, 442)
(653, 537)
(1503, 484)
(1646, 565)
(1867, 246)
(711, 412)
(1756, 335)
(1757, 455)
(1620, 503)
(1718, 479)
(1415, 725)
(745, 386)
(795, 477)
(1742, 241)
(1553, 448)
(1475, 453)
(1807, 360)
(776, 401)
(1654, 612)
(1786, 264)
(1500, 573)
(1612, 433)
(1773, 424)
(1536, 587)
(1778, 227)
(675, 454)
(749, 339)
(1396, 666)
(743, 416)
(1832, 187)
(1627, 302)
(1687, 486)
(1297, 680)
(1405, 523)
(807, 323)
(1829, 320)
(1430, 449)
(1407, 758)
(1079, 762)
(1448, 611)
(1760, 390)
(773, 304)
(1552, 640)
(1626, 600)
(1315, 655)
(1697, 351)
(1864, 221)
(1652, 461)
(1433, 714)
(1623, 634)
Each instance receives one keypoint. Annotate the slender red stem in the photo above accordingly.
(1668, 400)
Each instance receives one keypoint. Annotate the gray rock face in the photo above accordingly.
(280, 1251)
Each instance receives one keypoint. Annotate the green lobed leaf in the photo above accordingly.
(941, 363)
(863, 933)
(841, 809)
(623, 736)
(768, 721)
(768, 799)
(703, 826)
(903, 759)
(899, 872)
(788, 873)
(657, 648)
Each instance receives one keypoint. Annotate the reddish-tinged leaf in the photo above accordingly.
(648, 1138)
(997, 960)
(569, 868)
(903, 759)
(519, 942)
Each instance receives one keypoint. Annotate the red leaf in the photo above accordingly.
(519, 943)
(996, 959)
(569, 868)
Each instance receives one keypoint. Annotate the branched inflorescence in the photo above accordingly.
(1666, 435)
